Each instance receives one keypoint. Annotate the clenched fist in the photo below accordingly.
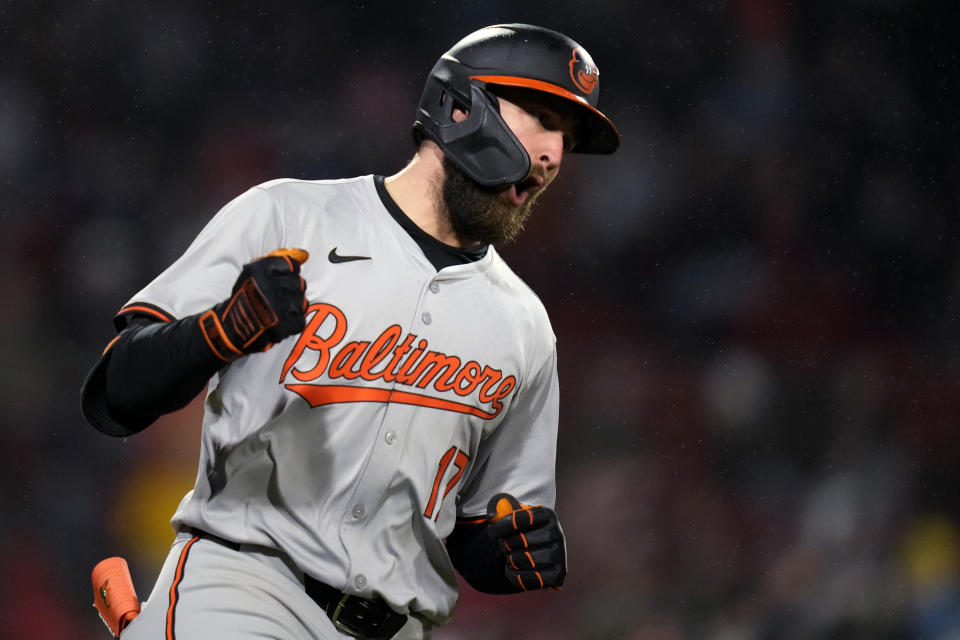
(267, 305)
(532, 541)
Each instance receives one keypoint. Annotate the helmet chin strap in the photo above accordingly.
(482, 144)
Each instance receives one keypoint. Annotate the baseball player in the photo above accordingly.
(382, 396)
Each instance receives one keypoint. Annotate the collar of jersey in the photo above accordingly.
(445, 259)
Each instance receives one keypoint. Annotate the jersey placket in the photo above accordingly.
(383, 460)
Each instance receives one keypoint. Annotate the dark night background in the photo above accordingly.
(754, 299)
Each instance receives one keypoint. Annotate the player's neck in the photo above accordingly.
(416, 190)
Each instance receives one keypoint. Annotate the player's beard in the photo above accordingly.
(481, 213)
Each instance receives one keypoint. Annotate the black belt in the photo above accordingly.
(352, 615)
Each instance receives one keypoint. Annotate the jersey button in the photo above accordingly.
(358, 511)
(427, 318)
(390, 437)
(435, 286)
(360, 581)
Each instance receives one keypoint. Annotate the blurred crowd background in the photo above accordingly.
(754, 299)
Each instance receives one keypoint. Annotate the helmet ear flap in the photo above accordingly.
(482, 144)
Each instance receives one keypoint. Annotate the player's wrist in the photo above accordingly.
(216, 336)
(239, 325)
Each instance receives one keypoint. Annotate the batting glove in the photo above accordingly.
(267, 305)
(532, 541)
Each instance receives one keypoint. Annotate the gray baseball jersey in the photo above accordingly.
(411, 397)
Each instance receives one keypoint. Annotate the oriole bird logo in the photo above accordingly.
(583, 74)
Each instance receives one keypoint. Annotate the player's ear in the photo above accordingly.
(459, 115)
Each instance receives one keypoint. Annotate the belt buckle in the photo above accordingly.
(341, 626)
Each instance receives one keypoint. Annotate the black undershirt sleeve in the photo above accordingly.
(153, 368)
(478, 558)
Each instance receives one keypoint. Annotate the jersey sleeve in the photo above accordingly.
(519, 458)
(246, 228)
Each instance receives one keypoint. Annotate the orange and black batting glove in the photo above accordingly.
(267, 305)
(532, 542)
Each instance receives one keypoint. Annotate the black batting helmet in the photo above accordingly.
(509, 55)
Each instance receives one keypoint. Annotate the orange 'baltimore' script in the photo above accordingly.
(394, 359)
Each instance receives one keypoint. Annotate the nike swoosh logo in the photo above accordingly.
(335, 258)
